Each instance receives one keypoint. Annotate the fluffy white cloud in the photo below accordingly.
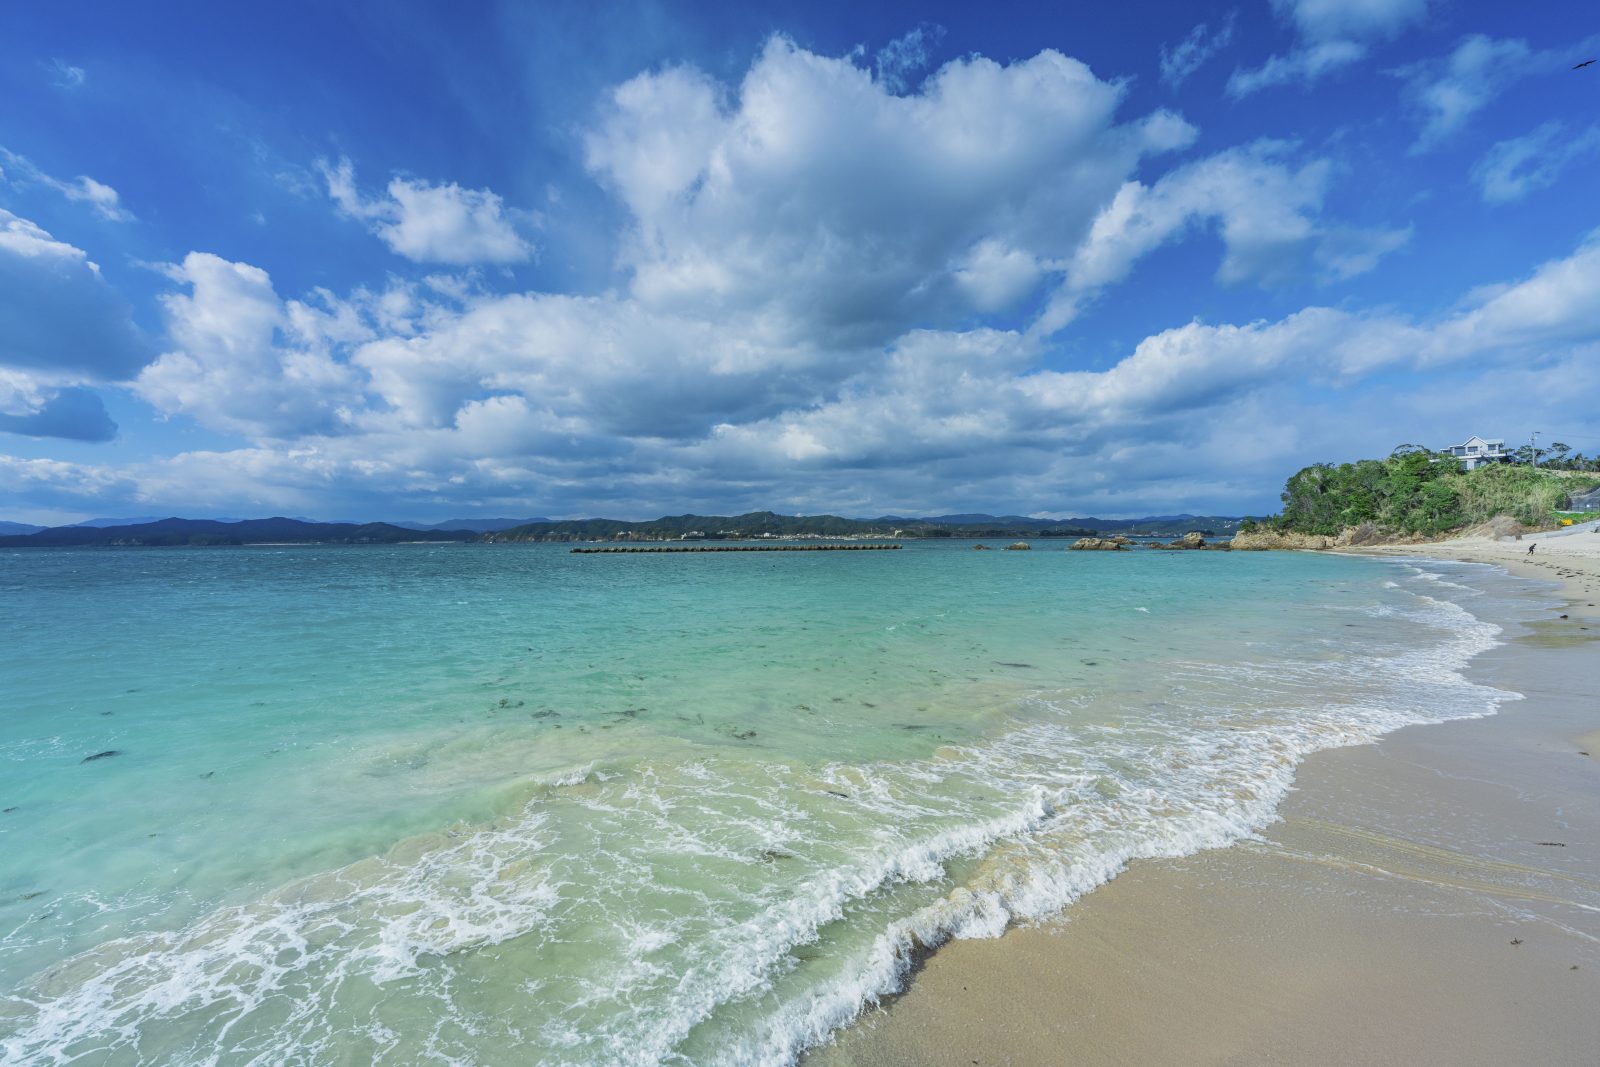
(1265, 210)
(831, 297)
(433, 223)
(1333, 34)
(247, 362)
(823, 199)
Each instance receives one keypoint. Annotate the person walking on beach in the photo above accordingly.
(1531, 548)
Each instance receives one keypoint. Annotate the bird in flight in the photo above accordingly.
(1585, 63)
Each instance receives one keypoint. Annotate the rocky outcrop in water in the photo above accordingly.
(1019, 546)
(1261, 539)
(1100, 544)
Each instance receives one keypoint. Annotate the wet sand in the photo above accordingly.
(1432, 899)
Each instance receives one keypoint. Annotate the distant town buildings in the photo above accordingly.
(1474, 452)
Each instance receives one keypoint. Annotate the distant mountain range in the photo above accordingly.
(756, 524)
(170, 532)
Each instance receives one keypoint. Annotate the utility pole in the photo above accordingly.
(1533, 449)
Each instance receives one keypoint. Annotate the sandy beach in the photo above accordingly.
(1432, 899)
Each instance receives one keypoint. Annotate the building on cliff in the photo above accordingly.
(1474, 452)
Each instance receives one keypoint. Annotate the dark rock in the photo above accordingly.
(1018, 546)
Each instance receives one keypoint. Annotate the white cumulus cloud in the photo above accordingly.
(245, 361)
(433, 223)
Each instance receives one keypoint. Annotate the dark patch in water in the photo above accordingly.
(1091, 663)
(208, 774)
(912, 725)
(631, 713)
(1024, 666)
(107, 754)
(547, 713)
(7, 811)
(35, 895)
(836, 793)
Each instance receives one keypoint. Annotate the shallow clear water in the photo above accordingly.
(505, 804)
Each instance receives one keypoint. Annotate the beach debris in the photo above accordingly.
(107, 754)
(1516, 940)
(1552, 844)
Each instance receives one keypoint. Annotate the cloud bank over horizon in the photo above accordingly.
(912, 279)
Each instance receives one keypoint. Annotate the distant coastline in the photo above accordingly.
(759, 525)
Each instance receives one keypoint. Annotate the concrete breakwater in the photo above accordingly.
(741, 548)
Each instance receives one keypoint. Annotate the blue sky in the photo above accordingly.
(425, 260)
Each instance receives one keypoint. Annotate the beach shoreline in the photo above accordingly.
(1430, 899)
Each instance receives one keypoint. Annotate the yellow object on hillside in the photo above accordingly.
(1566, 522)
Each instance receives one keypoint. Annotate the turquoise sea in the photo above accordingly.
(503, 804)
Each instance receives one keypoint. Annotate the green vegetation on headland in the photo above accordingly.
(1416, 493)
